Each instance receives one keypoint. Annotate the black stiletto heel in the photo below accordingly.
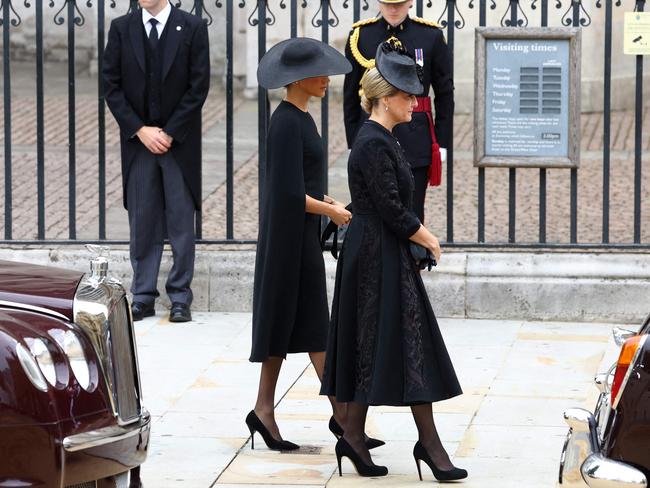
(252, 431)
(421, 454)
(256, 425)
(337, 430)
(343, 449)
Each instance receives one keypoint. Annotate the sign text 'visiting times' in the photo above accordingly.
(526, 97)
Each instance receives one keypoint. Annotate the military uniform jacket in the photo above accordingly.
(413, 33)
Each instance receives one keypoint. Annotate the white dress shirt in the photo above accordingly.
(162, 17)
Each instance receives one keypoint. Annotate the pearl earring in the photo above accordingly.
(386, 107)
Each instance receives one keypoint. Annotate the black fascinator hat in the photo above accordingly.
(299, 58)
(398, 68)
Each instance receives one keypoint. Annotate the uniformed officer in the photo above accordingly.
(420, 138)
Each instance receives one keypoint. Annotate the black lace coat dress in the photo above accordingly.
(384, 345)
(289, 296)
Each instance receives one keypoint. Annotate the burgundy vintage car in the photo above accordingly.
(70, 401)
(611, 447)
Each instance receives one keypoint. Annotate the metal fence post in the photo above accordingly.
(6, 22)
(542, 171)
(101, 122)
(576, 5)
(230, 183)
(262, 100)
(512, 172)
(482, 21)
(638, 131)
(607, 79)
(451, 31)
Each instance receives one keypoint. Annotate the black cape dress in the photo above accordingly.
(384, 345)
(290, 312)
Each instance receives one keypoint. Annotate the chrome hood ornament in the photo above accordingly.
(98, 261)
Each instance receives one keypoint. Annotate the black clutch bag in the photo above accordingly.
(422, 256)
(334, 233)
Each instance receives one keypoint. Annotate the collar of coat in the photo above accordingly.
(174, 29)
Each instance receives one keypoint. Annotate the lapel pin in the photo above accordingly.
(178, 27)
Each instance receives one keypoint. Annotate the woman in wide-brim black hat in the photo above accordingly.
(385, 346)
(290, 311)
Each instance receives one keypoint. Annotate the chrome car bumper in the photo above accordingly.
(108, 435)
(582, 465)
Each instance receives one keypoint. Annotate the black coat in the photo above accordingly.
(384, 346)
(414, 136)
(185, 84)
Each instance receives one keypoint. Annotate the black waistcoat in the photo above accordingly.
(153, 92)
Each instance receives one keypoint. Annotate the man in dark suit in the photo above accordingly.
(423, 141)
(156, 78)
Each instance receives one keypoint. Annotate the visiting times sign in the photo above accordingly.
(526, 101)
(526, 98)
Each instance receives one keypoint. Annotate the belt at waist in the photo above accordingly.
(424, 104)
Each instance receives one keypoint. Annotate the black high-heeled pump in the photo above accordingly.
(421, 454)
(343, 449)
(255, 425)
(337, 430)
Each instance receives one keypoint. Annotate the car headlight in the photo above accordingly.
(43, 357)
(71, 345)
(33, 372)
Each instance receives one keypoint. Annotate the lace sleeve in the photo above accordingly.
(380, 174)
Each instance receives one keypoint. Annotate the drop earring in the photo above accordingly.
(386, 107)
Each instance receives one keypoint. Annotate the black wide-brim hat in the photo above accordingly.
(398, 68)
(299, 58)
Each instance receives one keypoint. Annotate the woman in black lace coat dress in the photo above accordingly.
(384, 346)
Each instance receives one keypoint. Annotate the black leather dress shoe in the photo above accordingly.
(141, 310)
(180, 313)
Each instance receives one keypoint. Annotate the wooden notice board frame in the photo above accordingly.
(573, 36)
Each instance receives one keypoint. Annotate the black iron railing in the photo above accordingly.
(516, 13)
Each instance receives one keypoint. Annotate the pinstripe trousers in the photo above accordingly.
(157, 196)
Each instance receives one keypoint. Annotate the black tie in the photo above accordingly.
(153, 34)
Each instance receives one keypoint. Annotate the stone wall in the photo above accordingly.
(558, 286)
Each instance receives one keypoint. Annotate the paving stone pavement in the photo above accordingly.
(24, 157)
(506, 429)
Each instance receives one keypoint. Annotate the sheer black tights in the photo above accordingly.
(427, 433)
(428, 436)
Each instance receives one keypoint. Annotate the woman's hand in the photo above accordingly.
(426, 239)
(339, 214)
(331, 201)
(328, 206)
(434, 247)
